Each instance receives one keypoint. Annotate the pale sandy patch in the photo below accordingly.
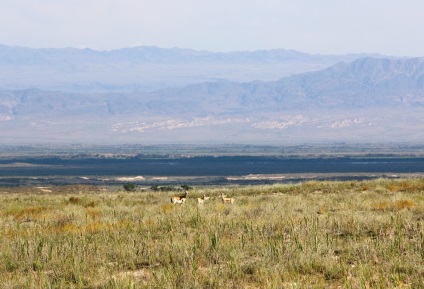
(44, 189)
(257, 177)
(159, 178)
(130, 179)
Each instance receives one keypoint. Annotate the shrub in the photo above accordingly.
(129, 187)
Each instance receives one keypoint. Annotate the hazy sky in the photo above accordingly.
(390, 27)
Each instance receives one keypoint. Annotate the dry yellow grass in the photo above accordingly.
(309, 235)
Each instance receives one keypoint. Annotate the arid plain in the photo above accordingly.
(313, 234)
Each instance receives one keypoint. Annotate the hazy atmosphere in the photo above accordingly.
(388, 27)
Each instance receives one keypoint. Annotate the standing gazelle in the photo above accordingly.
(202, 200)
(179, 199)
(226, 200)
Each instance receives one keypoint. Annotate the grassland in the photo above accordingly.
(356, 234)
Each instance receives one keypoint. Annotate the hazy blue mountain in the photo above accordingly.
(368, 99)
(363, 83)
(150, 54)
(147, 68)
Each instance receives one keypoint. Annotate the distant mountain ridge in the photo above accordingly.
(145, 54)
(363, 83)
(368, 99)
(146, 68)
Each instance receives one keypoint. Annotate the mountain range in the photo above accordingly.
(352, 98)
(147, 68)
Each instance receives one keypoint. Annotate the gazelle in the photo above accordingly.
(202, 200)
(179, 199)
(226, 200)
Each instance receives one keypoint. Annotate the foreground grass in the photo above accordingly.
(310, 235)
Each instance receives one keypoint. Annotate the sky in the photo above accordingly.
(388, 27)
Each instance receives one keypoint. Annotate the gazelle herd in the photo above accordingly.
(181, 199)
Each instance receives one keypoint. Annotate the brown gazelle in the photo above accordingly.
(226, 200)
(202, 200)
(179, 199)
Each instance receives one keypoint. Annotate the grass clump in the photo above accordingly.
(366, 234)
